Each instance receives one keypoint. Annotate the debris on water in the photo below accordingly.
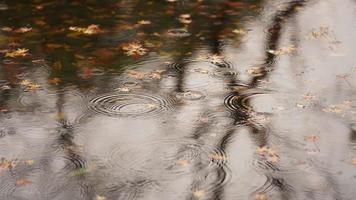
(213, 58)
(144, 22)
(22, 182)
(182, 162)
(283, 51)
(185, 19)
(268, 154)
(339, 108)
(199, 193)
(17, 53)
(134, 49)
(90, 30)
(239, 31)
(98, 197)
(7, 164)
(261, 196)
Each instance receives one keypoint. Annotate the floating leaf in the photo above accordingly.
(219, 157)
(23, 30)
(79, 172)
(261, 196)
(123, 89)
(25, 82)
(214, 58)
(311, 138)
(268, 154)
(100, 197)
(134, 49)
(144, 22)
(338, 108)
(199, 193)
(183, 162)
(353, 161)
(91, 29)
(34, 86)
(7, 164)
(255, 71)
(17, 53)
(185, 19)
(283, 50)
(239, 31)
(29, 162)
(22, 182)
(54, 81)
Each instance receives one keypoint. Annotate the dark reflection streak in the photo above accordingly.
(216, 49)
(65, 141)
(295, 58)
(272, 43)
(273, 38)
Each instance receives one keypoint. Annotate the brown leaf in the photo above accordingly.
(22, 182)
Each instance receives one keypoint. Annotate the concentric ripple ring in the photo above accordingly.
(129, 104)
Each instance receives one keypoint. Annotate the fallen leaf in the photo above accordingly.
(136, 74)
(91, 29)
(199, 193)
(134, 49)
(17, 53)
(34, 86)
(200, 70)
(261, 196)
(213, 58)
(23, 30)
(25, 82)
(255, 71)
(219, 157)
(268, 154)
(22, 182)
(283, 50)
(185, 19)
(7, 164)
(144, 22)
(311, 138)
(239, 31)
(54, 81)
(100, 197)
(353, 161)
(78, 172)
(183, 162)
(6, 29)
(29, 162)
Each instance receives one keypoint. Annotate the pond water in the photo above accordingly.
(178, 99)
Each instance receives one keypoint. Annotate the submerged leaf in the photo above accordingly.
(79, 172)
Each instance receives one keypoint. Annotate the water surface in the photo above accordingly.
(176, 99)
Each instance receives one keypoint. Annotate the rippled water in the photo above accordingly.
(176, 99)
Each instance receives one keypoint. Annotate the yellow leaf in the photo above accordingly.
(29, 162)
(199, 193)
(100, 197)
(91, 29)
(239, 31)
(17, 53)
(144, 22)
(34, 86)
(25, 82)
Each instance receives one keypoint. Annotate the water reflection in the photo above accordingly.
(177, 100)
